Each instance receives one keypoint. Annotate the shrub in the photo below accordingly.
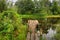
(11, 27)
(57, 36)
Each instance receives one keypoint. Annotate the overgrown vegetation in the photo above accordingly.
(11, 27)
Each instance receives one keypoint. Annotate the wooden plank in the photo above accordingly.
(53, 16)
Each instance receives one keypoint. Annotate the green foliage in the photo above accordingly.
(54, 8)
(30, 7)
(23, 33)
(11, 27)
(3, 5)
(25, 6)
(57, 36)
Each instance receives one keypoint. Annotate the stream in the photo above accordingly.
(49, 35)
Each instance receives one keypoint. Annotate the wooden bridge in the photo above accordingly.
(37, 16)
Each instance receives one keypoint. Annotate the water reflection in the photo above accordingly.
(50, 34)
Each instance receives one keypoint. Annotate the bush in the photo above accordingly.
(11, 27)
(57, 36)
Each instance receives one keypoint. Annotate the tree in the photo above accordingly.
(3, 5)
(9, 4)
(25, 6)
(46, 5)
(54, 8)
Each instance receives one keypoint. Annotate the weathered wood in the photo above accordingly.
(32, 27)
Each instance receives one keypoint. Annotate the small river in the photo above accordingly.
(50, 34)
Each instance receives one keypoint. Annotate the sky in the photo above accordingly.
(13, 1)
(16, 0)
(32, 0)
